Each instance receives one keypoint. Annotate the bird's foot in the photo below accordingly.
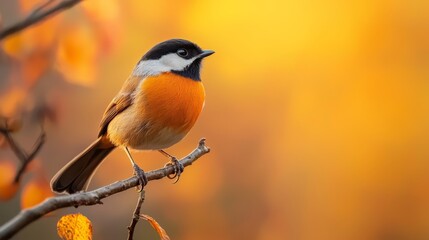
(178, 169)
(141, 176)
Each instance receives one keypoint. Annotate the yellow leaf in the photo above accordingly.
(161, 232)
(7, 187)
(74, 227)
(35, 192)
(76, 55)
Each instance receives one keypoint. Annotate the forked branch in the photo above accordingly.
(24, 157)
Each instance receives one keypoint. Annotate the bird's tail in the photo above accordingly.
(76, 175)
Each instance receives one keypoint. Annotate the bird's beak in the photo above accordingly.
(205, 53)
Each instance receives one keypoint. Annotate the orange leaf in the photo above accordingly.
(33, 67)
(74, 227)
(161, 232)
(12, 101)
(106, 18)
(7, 187)
(37, 38)
(16, 45)
(35, 192)
(76, 55)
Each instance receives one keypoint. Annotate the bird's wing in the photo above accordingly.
(122, 101)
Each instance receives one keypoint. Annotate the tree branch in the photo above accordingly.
(19, 152)
(136, 216)
(38, 15)
(24, 162)
(22, 155)
(29, 215)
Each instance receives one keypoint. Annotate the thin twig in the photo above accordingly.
(37, 146)
(136, 215)
(37, 16)
(29, 215)
(41, 7)
(19, 152)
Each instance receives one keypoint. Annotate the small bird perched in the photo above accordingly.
(155, 108)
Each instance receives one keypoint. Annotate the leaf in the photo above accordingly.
(161, 232)
(33, 67)
(35, 192)
(29, 41)
(107, 23)
(76, 55)
(7, 187)
(12, 101)
(74, 227)
(15, 45)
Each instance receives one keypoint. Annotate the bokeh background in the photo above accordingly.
(317, 114)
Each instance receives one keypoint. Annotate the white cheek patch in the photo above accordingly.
(175, 62)
(166, 63)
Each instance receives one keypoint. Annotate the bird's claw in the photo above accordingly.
(178, 169)
(141, 176)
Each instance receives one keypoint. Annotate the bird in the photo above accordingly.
(156, 107)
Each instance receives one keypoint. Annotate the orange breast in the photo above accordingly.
(170, 100)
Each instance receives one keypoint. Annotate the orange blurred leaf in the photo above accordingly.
(33, 67)
(35, 192)
(105, 15)
(38, 38)
(74, 227)
(11, 101)
(76, 55)
(161, 232)
(7, 187)
(18, 45)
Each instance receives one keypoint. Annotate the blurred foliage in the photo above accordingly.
(7, 186)
(317, 114)
(35, 192)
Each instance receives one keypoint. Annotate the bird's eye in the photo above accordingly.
(182, 52)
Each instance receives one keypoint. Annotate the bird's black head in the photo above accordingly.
(181, 47)
(176, 55)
